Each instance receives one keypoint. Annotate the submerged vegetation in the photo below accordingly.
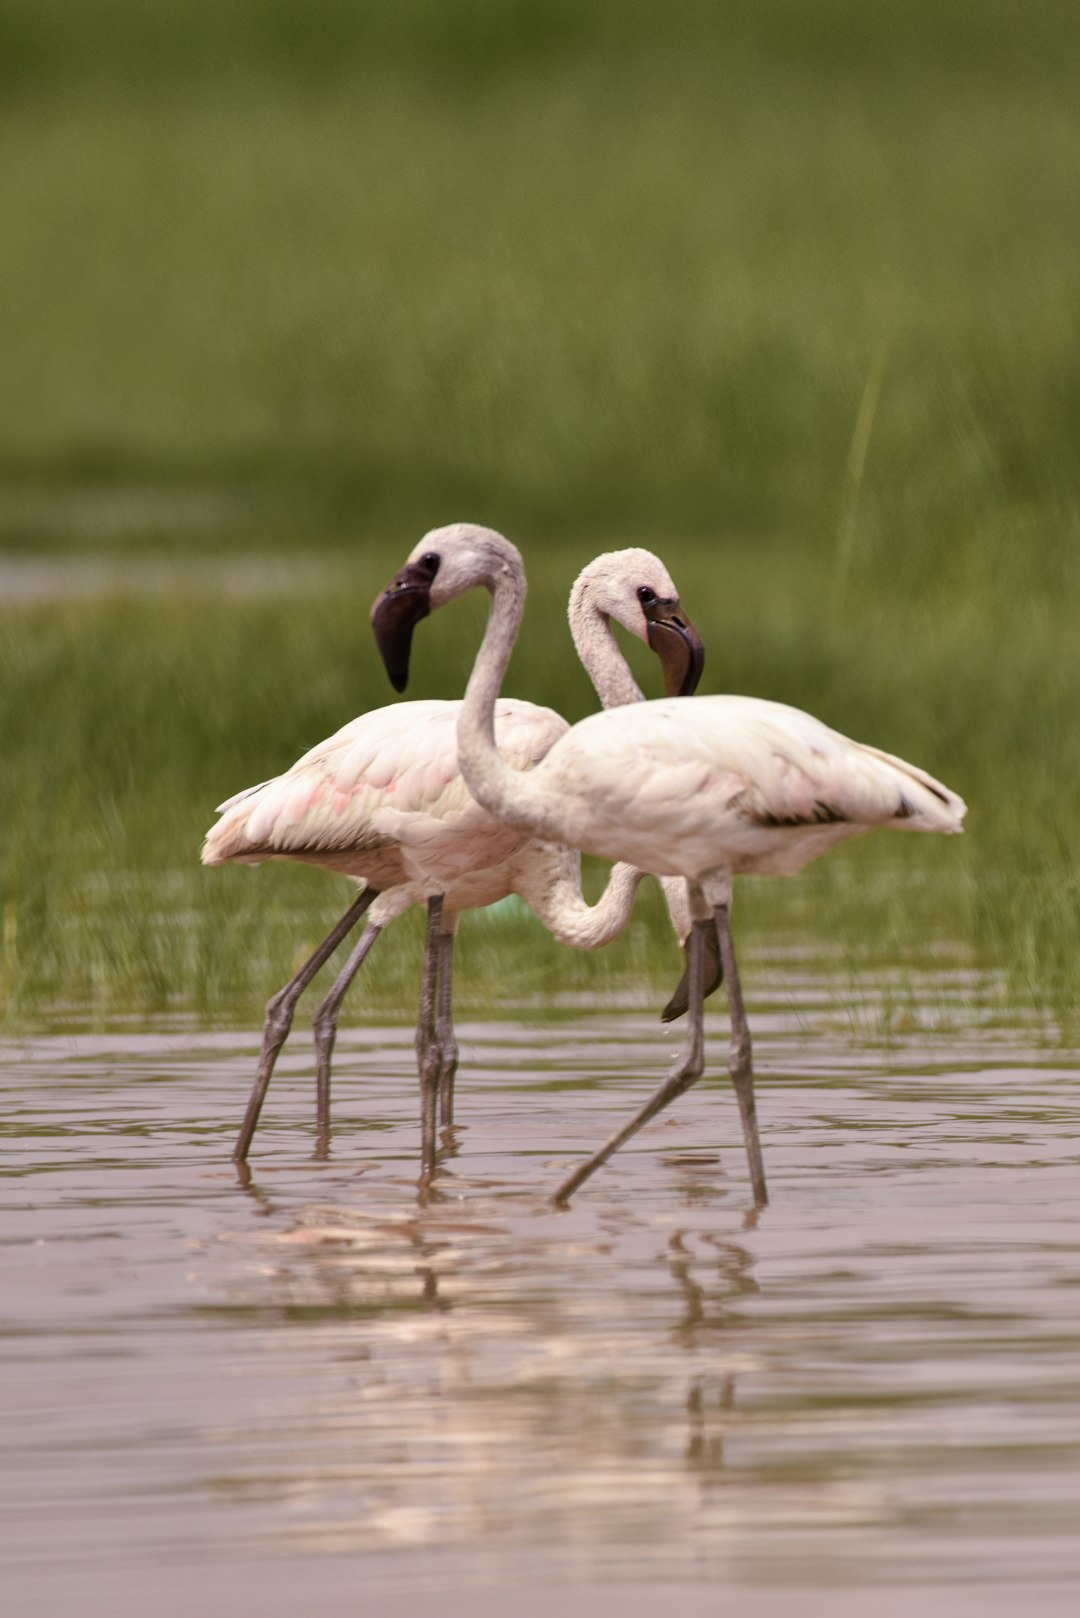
(790, 298)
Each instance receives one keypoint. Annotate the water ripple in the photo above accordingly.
(873, 1380)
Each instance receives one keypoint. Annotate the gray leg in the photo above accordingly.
(741, 1059)
(279, 1016)
(444, 1030)
(427, 1051)
(326, 1033)
(686, 1070)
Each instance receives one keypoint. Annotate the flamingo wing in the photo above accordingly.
(685, 784)
(799, 772)
(382, 798)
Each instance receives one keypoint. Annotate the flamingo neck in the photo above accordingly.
(551, 887)
(502, 790)
(677, 897)
(601, 654)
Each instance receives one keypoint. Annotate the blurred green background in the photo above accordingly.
(789, 292)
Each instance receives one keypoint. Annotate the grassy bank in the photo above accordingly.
(157, 708)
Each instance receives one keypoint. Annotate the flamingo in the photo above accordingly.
(702, 788)
(382, 801)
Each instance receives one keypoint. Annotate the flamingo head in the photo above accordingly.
(447, 562)
(635, 588)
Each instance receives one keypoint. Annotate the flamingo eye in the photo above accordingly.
(646, 596)
(430, 562)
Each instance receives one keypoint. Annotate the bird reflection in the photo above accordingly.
(712, 1311)
(503, 1367)
(714, 1306)
(709, 1403)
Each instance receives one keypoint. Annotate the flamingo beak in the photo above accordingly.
(406, 599)
(677, 644)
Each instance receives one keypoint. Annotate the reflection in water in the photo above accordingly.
(710, 1309)
(538, 1407)
(873, 1379)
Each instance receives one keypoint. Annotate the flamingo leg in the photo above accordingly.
(325, 1024)
(427, 1051)
(687, 1069)
(445, 1039)
(279, 1016)
(741, 1058)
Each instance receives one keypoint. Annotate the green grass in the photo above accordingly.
(125, 722)
(787, 292)
(474, 42)
(639, 287)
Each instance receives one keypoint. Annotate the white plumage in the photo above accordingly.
(704, 788)
(383, 801)
(708, 786)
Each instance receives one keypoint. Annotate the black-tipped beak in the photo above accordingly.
(714, 976)
(678, 646)
(406, 599)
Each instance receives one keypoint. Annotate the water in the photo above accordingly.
(315, 1393)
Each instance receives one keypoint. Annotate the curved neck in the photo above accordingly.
(600, 653)
(502, 790)
(549, 881)
(677, 897)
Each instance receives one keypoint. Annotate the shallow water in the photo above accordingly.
(315, 1389)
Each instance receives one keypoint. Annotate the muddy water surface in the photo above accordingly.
(314, 1392)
